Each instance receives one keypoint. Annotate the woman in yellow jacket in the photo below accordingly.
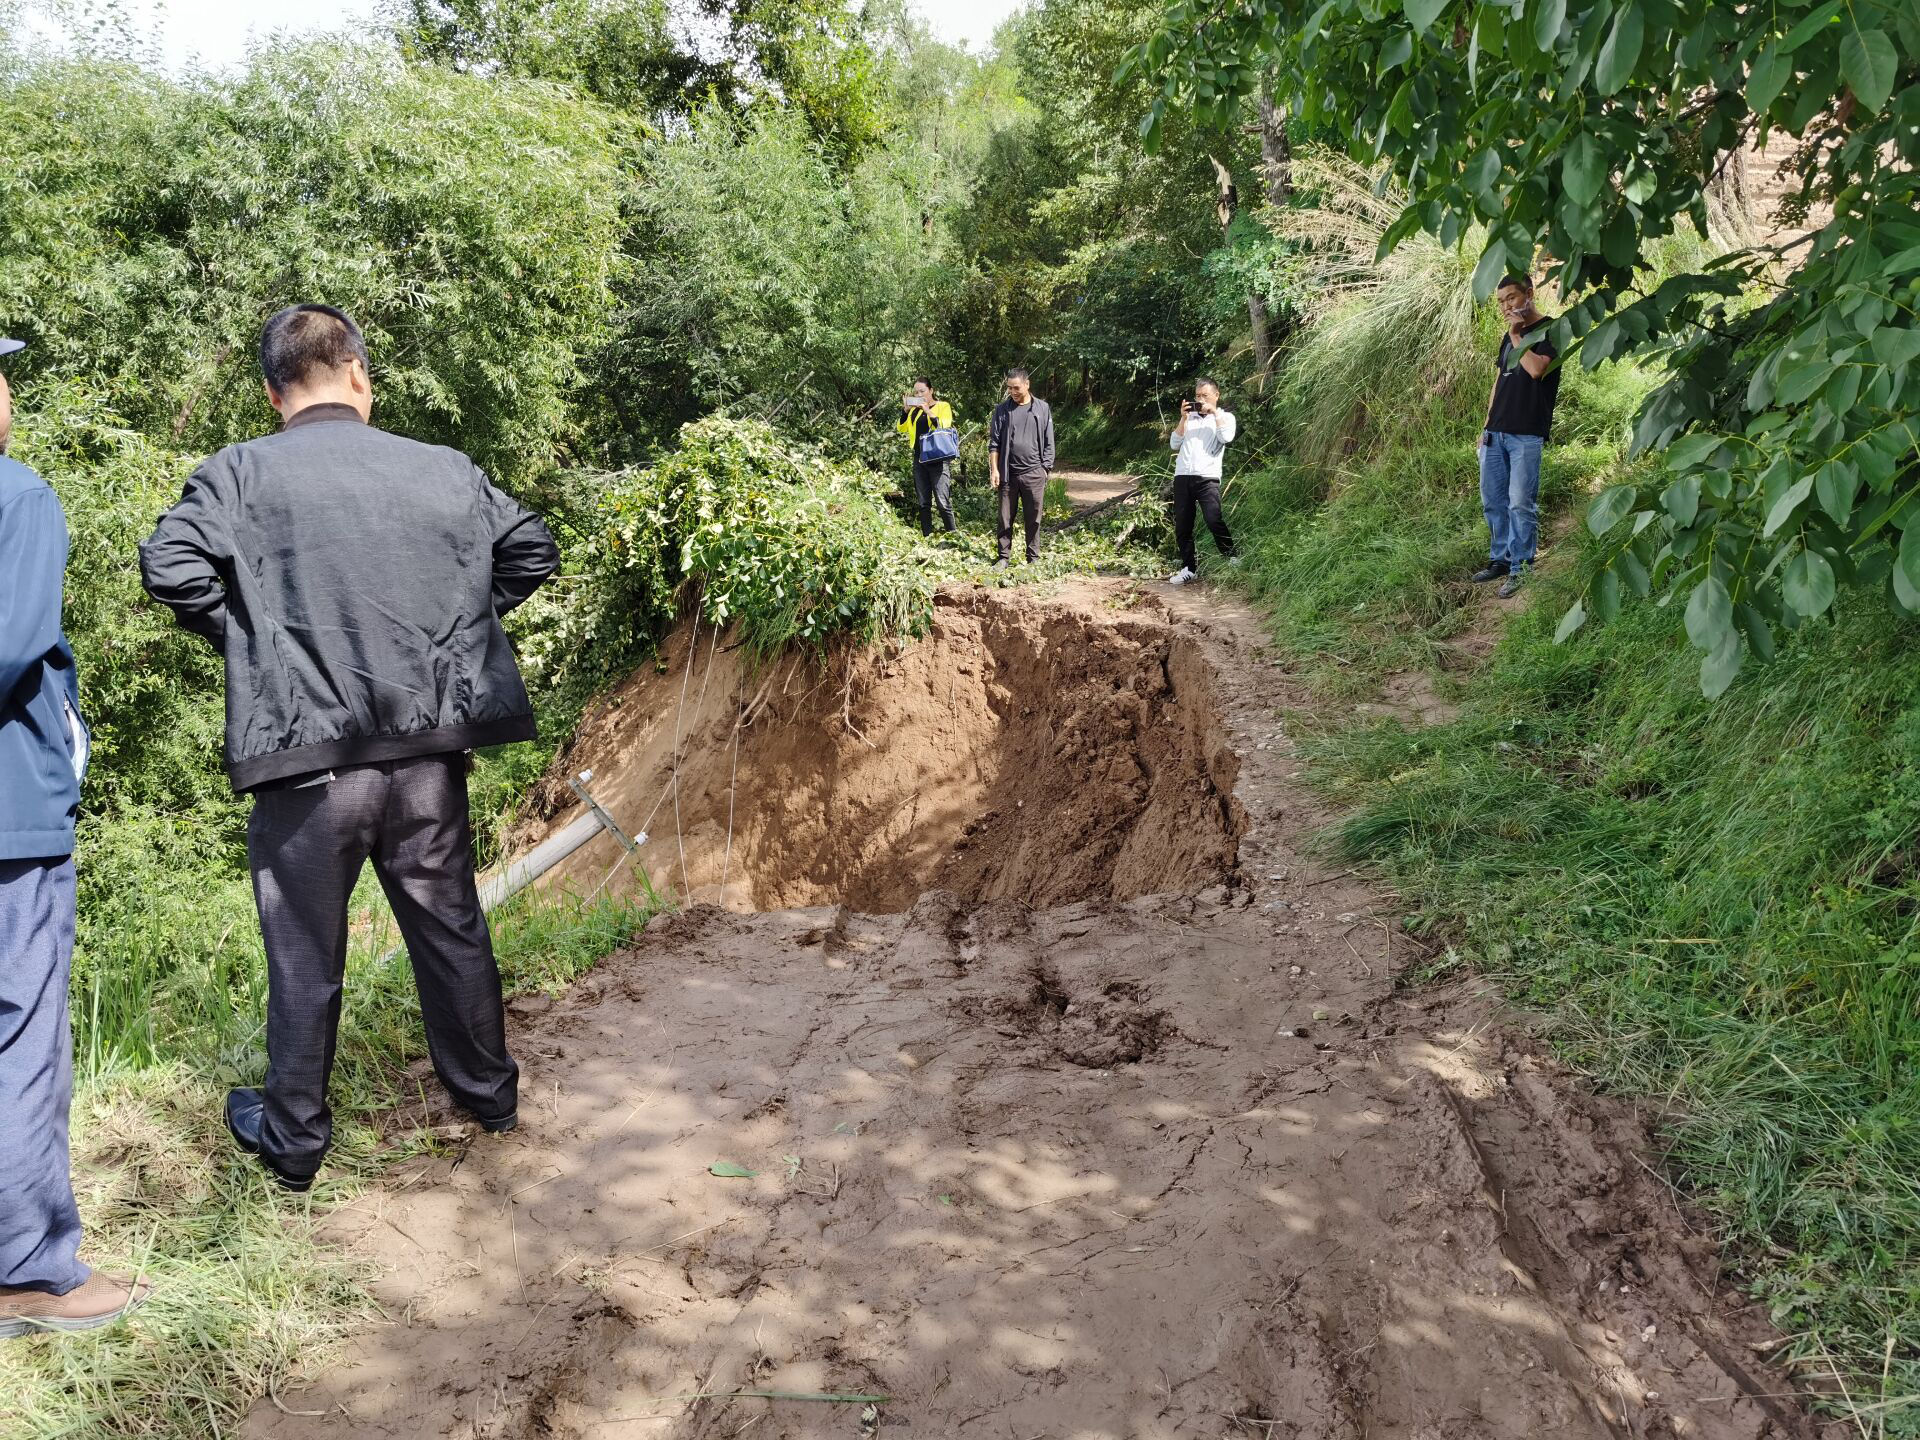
(920, 415)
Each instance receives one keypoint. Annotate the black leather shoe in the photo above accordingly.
(500, 1126)
(1492, 570)
(244, 1109)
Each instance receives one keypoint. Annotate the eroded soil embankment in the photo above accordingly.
(1184, 1165)
(1041, 753)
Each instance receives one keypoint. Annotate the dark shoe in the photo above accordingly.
(244, 1109)
(101, 1301)
(500, 1126)
(1510, 587)
(1492, 570)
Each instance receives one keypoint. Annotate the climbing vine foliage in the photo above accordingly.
(1580, 133)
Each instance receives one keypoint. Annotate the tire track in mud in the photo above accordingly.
(1123, 1167)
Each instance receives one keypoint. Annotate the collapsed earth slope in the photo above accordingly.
(1032, 753)
(1053, 1090)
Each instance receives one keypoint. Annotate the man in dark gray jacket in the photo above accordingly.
(354, 582)
(1019, 462)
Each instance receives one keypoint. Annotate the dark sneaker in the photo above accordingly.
(1492, 570)
(244, 1109)
(101, 1301)
(500, 1126)
(1510, 586)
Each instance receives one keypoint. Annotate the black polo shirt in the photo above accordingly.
(1523, 405)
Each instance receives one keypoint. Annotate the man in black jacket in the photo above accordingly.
(354, 582)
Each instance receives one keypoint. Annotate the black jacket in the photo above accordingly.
(354, 581)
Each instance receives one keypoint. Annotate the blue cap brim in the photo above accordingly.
(7, 347)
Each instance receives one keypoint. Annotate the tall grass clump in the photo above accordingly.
(1377, 336)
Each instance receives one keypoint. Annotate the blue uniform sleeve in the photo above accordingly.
(33, 560)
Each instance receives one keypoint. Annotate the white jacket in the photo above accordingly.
(1205, 441)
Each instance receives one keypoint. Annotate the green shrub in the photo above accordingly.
(778, 540)
(472, 225)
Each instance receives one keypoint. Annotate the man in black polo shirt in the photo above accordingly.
(1519, 419)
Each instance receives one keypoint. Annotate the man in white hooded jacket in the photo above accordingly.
(1199, 441)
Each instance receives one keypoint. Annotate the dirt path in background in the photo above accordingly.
(1116, 1126)
(1086, 488)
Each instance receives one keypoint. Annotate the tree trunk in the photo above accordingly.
(1733, 198)
(1276, 153)
(1224, 206)
(1276, 160)
(1262, 332)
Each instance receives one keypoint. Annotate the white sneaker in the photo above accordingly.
(1181, 576)
(1233, 561)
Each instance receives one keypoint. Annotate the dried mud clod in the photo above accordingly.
(1097, 1028)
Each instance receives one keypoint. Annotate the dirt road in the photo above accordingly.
(1087, 488)
(1108, 1122)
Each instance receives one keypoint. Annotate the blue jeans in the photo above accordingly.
(39, 1223)
(1510, 495)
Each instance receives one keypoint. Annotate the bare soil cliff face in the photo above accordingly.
(1023, 751)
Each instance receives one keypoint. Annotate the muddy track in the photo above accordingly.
(1145, 1161)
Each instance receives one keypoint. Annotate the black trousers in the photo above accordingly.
(306, 845)
(1027, 493)
(933, 487)
(1192, 492)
